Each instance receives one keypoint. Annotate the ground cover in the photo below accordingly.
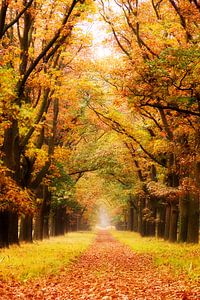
(174, 257)
(42, 258)
(107, 270)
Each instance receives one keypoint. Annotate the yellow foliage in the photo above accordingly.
(13, 197)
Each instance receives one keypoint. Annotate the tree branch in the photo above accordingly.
(119, 128)
(82, 171)
(174, 108)
(44, 51)
(41, 174)
(6, 27)
(182, 19)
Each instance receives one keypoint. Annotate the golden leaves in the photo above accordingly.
(13, 197)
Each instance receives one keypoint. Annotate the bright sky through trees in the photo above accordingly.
(103, 217)
(100, 48)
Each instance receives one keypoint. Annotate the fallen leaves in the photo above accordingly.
(107, 271)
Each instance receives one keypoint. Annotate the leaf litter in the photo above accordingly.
(108, 270)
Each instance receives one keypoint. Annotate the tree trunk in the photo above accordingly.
(194, 197)
(183, 222)
(26, 228)
(167, 222)
(42, 217)
(46, 210)
(135, 220)
(131, 217)
(193, 219)
(39, 221)
(11, 157)
(46, 227)
(150, 228)
(60, 219)
(52, 224)
(78, 223)
(173, 223)
(4, 224)
(66, 223)
(141, 223)
(150, 222)
(8, 228)
(160, 224)
(13, 228)
(11, 150)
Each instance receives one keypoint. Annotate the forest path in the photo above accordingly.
(108, 270)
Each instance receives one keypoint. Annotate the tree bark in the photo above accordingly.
(13, 228)
(193, 219)
(60, 221)
(135, 221)
(167, 222)
(160, 224)
(26, 228)
(194, 199)
(4, 7)
(39, 221)
(4, 224)
(11, 150)
(141, 223)
(184, 217)
(173, 223)
(131, 217)
(150, 224)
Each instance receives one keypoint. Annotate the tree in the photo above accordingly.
(32, 58)
(159, 92)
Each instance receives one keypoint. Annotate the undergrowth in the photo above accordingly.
(177, 258)
(41, 258)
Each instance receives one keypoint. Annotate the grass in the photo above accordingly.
(178, 258)
(29, 261)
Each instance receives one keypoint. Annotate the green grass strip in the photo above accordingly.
(177, 258)
(42, 258)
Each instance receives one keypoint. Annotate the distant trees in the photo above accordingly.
(157, 79)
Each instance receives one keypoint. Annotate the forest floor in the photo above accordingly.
(108, 270)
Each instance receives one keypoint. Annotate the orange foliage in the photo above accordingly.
(13, 197)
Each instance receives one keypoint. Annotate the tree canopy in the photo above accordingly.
(100, 107)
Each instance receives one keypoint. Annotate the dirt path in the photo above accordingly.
(107, 271)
